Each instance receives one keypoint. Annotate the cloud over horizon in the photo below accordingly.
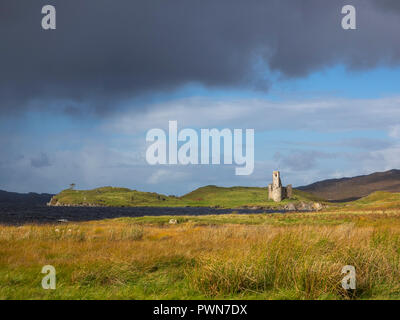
(308, 140)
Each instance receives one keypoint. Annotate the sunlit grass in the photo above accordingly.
(279, 256)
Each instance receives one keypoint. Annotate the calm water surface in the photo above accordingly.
(20, 214)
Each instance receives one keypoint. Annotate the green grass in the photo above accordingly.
(261, 256)
(377, 201)
(209, 196)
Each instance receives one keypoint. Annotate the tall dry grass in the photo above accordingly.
(304, 260)
(188, 260)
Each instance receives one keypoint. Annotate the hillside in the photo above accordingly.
(347, 189)
(209, 196)
(14, 198)
(379, 200)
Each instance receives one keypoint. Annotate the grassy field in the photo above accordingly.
(209, 196)
(259, 256)
(379, 200)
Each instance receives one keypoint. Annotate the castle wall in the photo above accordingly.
(277, 194)
(289, 191)
(276, 191)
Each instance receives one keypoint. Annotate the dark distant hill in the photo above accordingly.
(31, 198)
(346, 189)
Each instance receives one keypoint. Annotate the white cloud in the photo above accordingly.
(394, 131)
(323, 115)
(119, 159)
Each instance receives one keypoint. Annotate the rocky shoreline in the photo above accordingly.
(293, 206)
(84, 204)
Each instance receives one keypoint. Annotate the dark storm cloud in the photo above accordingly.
(105, 51)
(388, 4)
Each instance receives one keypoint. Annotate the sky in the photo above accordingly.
(76, 102)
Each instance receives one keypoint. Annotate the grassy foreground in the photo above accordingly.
(209, 196)
(277, 256)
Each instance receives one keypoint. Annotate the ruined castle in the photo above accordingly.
(275, 190)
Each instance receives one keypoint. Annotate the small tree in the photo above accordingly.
(72, 186)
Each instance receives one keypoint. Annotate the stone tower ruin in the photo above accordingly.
(275, 190)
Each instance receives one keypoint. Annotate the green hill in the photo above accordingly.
(377, 200)
(239, 196)
(209, 196)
